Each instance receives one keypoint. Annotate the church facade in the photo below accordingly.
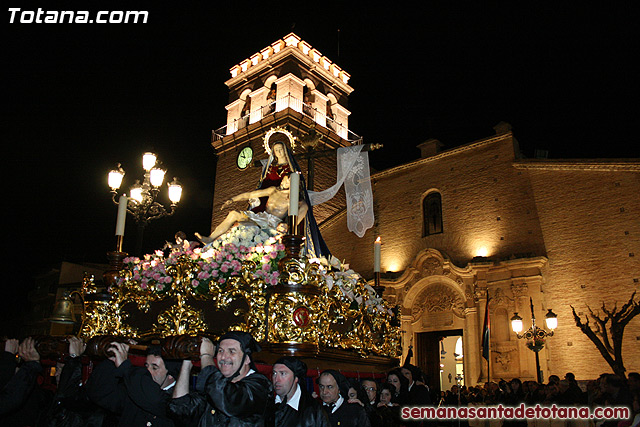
(478, 221)
(459, 227)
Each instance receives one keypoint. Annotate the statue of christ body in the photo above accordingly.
(276, 211)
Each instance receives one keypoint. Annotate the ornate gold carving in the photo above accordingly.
(309, 305)
(283, 327)
(180, 319)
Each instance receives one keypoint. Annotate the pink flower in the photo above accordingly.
(225, 267)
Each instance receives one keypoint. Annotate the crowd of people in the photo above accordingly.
(229, 390)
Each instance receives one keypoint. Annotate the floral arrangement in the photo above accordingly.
(351, 285)
(213, 263)
(150, 272)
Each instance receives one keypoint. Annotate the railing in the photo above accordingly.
(279, 105)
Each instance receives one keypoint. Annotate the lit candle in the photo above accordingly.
(376, 255)
(122, 215)
(294, 186)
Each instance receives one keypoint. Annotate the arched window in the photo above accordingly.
(432, 214)
(246, 108)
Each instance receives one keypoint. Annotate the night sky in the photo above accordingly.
(79, 98)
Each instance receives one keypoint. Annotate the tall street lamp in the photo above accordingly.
(143, 204)
(535, 335)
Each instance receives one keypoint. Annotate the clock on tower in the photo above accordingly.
(245, 156)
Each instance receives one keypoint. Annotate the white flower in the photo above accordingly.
(329, 281)
(208, 254)
(334, 262)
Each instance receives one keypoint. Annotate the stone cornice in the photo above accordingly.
(446, 153)
(592, 165)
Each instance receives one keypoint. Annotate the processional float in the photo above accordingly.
(250, 279)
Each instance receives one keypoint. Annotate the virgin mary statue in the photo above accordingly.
(281, 163)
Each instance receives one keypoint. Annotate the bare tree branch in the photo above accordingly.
(586, 329)
(609, 330)
(602, 328)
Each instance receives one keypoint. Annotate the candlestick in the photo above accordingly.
(376, 255)
(122, 215)
(294, 188)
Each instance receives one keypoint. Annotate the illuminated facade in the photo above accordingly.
(559, 232)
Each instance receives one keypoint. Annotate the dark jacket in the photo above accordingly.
(8, 365)
(219, 402)
(349, 414)
(21, 399)
(418, 396)
(309, 413)
(70, 406)
(130, 392)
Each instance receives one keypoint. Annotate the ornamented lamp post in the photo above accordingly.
(143, 204)
(535, 335)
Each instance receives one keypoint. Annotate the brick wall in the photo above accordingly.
(485, 203)
(590, 223)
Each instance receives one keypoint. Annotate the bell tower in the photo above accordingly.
(288, 85)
